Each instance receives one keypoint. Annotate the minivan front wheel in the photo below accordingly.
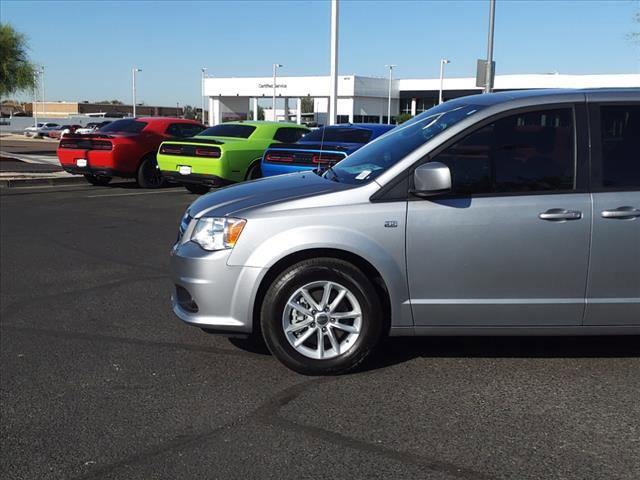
(321, 317)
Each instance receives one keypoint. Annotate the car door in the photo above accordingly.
(509, 245)
(613, 290)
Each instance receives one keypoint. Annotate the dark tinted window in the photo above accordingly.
(289, 135)
(620, 127)
(125, 125)
(229, 130)
(527, 152)
(183, 130)
(339, 134)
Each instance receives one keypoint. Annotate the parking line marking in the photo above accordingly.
(136, 193)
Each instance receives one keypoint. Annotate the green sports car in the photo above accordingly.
(223, 154)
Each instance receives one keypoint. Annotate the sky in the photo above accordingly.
(89, 47)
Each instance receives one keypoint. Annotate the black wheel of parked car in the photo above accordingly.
(149, 174)
(197, 189)
(254, 171)
(321, 316)
(101, 180)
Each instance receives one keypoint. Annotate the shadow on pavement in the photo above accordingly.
(396, 350)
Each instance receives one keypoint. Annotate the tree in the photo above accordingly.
(16, 71)
(403, 117)
(307, 105)
(190, 112)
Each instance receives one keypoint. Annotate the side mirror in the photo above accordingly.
(431, 178)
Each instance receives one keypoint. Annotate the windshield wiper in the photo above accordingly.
(334, 177)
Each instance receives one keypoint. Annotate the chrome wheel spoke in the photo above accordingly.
(346, 328)
(299, 308)
(334, 341)
(341, 315)
(302, 338)
(338, 299)
(294, 327)
(325, 296)
(320, 344)
(308, 298)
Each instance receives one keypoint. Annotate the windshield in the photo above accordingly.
(228, 130)
(338, 135)
(124, 126)
(376, 157)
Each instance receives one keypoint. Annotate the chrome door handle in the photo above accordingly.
(621, 212)
(560, 214)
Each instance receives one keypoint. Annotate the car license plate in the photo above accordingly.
(81, 162)
(184, 170)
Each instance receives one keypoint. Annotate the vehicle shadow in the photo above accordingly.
(397, 350)
(132, 185)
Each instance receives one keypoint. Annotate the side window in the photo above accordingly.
(526, 152)
(183, 130)
(620, 135)
(289, 135)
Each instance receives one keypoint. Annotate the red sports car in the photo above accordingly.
(124, 148)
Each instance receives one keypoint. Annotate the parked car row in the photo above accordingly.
(155, 150)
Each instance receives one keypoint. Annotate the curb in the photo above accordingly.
(34, 182)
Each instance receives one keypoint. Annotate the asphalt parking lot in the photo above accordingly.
(99, 380)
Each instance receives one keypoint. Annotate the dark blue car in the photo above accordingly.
(320, 148)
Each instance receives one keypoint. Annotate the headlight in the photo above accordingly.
(217, 233)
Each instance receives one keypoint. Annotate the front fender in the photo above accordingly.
(386, 256)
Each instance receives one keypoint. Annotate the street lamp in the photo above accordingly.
(443, 61)
(204, 74)
(489, 71)
(275, 67)
(133, 76)
(43, 91)
(390, 67)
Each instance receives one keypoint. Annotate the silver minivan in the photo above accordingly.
(515, 213)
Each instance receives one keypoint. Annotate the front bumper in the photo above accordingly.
(218, 297)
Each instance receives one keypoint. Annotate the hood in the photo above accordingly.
(262, 192)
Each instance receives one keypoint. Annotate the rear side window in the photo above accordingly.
(124, 126)
(340, 134)
(289, 135)
(183, 130)
(229, 130)
(620, 135)
(526, 152)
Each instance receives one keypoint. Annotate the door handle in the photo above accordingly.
(621, 213)
(560, 214)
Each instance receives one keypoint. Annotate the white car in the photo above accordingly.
(91, 127)
(40, 129)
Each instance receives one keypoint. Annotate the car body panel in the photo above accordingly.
(480, 265)
(236, 155)
(128, 149)
(335, 148)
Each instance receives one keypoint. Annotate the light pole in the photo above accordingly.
(443, 61)
(275, 67)
(133, 78)
(43, 91)
(489, 72)
(35, 99)
(204, 74)
(333, 85)
(390, 81)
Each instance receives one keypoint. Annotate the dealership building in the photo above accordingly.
(365, 99)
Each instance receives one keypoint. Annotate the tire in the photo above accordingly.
(197, 189)
(100, 181)
(254, 172)
(149, 175)
(354, 336)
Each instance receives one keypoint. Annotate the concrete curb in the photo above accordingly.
(34, 182)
